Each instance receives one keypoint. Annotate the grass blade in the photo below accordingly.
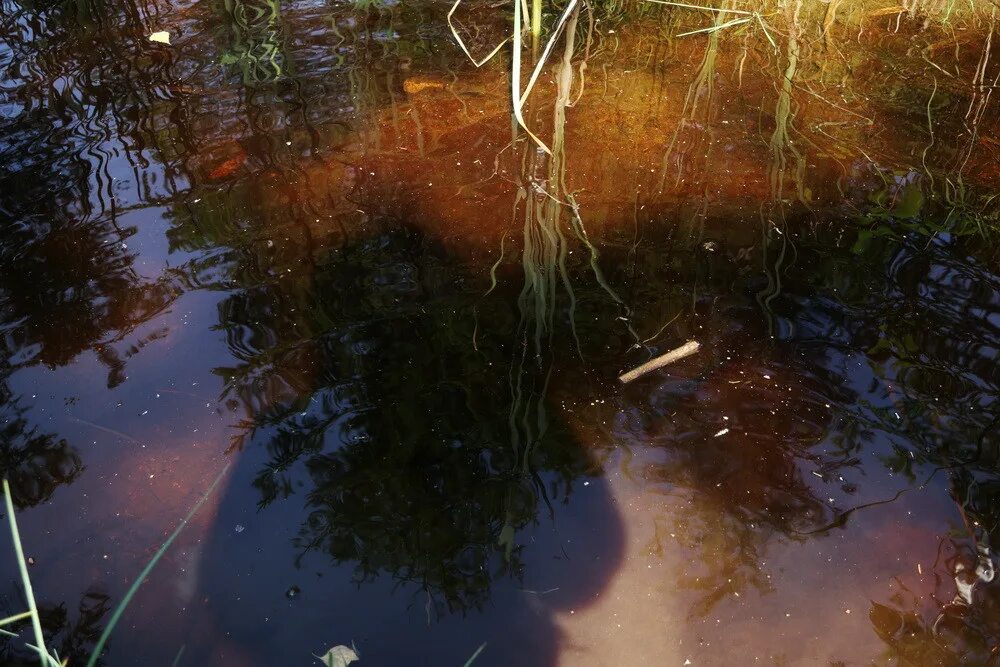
(548, 49)
(15, 618)
(461, 42)
(475, 655)
(727, 24)
(15, 534)
(767, 33)
(707, 9)
(47, 659)
(120, 609)
(515, 79)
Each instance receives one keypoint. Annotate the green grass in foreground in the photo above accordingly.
(50, 658)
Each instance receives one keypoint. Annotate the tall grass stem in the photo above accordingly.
(15, 534)
(120, 609)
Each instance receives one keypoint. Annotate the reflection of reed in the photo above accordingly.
(552, 225)
(781, 146)
(543, 261)
(698, 99)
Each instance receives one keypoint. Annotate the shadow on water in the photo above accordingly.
(386, 449)
(403, 432)
(416, 325)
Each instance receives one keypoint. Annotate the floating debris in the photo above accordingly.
(338, 656)
(685, 350)
(228, 167)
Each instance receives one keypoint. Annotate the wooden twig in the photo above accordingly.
(685, 350)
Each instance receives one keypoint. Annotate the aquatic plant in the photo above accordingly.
(44, 656)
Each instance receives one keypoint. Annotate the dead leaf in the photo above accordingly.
(227, 168)
(163, 37)
(338, 656)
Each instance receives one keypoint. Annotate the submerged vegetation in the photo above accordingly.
(824, 91)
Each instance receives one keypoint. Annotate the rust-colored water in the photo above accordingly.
(305, 241)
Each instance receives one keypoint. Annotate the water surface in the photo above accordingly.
(305, 247)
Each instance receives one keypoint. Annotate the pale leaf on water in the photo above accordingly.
(338, 656)
(163, 37)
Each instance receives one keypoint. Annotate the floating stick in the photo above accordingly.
(685, 350)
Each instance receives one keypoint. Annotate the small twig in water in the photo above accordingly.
(685, 350)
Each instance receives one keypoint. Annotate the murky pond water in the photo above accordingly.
(305, 252)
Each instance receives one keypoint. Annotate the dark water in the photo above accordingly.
(299, 242)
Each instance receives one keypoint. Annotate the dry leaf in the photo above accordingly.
(339, 656)
(163, 37)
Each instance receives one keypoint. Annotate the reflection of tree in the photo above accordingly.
(69, 286)
(69, 282)
(747, 487)
(366, 376)
(34, 463)
(366, 384)
(885, 354)
(72, 638)
(926, 317)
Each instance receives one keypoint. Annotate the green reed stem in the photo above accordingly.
(116, 616)
(36, 623)
(15, 618)
(475, 655)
